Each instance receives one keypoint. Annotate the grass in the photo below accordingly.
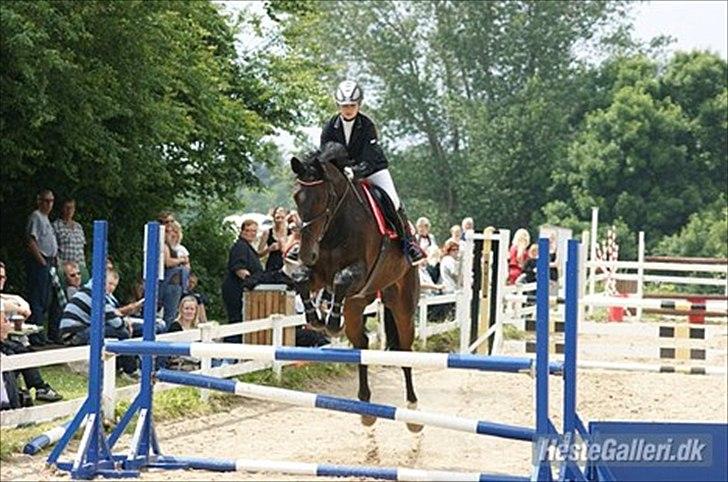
(184, 402)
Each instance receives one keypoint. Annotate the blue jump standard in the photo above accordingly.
(338, 355)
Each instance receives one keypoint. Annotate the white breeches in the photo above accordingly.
(383, 179)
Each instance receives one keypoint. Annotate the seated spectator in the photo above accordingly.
(449, 266)
(72, 276)
(76, 321)
(423, 235)
(518, 254)
(16, 309)
(202, 299)
(427, 286)
(529, 266)
(187, 315)
(272, 241)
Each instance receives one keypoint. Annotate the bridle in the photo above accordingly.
(328, 213)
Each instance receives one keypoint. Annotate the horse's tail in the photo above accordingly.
(390, 330)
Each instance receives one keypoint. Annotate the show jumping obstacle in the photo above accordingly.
(95, 456)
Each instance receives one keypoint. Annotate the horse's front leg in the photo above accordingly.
(355, 332)
(343, 281)
(302, 282)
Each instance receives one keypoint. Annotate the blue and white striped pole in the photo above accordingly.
(337, 355)
(339, 404)
(330, 470)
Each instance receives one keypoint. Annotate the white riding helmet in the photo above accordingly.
(348, 93)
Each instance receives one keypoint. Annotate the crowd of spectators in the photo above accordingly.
(59, 287)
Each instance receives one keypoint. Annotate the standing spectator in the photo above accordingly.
(423, 236)
(518, 254)
(176, 273)
(70, 236)
(175, 229)
(449, 266)
(274, 240)
(41, 256)
(466, 225)
(72, 276)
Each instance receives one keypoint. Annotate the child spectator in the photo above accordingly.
(529, 266)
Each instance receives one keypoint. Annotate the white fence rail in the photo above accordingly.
(207, 332)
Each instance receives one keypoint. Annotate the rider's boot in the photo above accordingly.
(404, 230)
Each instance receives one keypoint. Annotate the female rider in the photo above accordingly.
(358, 134)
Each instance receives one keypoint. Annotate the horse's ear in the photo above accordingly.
(297, 166)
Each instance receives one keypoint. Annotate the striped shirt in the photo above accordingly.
(77, 311)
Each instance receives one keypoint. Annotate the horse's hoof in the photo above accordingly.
(413, 427)
(368, 420)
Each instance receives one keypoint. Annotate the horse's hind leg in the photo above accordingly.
(354, 328)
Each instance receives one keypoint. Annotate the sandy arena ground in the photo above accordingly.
(263, 430)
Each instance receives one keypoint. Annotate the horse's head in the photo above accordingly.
(320, 185)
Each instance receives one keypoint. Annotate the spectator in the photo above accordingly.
(427, 286)
(165, 217)
(423, 236)
(518, 254)
(76, 321)
(14, 308)
(41, 256)
(273, 240)
(244, 271)
(70, 236)
(466, 225)
(202, 299)
(175, 229)
(11, 396)
(72, 275)
(529, 266)
(553, 265)
(292, 247)
(456, 233)
(449, 265)
(434, 256)
(176, 273)
(187, 315)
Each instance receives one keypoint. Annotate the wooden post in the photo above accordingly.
(259, 304)
(485, 299)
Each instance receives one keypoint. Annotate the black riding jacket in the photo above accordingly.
(364, 150)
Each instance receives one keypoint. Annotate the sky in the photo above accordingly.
(692, 24)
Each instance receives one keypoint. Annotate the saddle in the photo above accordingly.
(382, 208)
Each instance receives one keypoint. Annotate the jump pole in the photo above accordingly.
(339, 404)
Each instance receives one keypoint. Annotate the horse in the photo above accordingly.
(342, 250)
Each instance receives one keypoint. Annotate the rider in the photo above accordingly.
(358, 134)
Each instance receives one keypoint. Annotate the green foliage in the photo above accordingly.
(705, 235)
(133, 107)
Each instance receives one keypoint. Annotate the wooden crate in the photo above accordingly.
(263, 301)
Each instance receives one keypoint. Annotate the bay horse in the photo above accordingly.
(343, 251)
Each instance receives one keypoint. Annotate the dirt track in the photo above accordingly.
(263, 430)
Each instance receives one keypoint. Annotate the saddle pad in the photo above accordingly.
(382, 224)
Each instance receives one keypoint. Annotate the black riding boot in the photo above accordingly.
(411, 246)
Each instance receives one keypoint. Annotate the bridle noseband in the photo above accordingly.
(329, 213)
